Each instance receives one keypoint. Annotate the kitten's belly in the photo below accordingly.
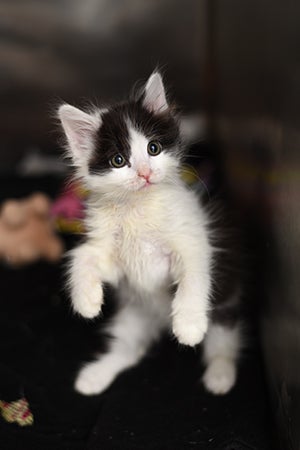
(146, 262)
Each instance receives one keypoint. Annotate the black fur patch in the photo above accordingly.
(113, 135)
(112, 138)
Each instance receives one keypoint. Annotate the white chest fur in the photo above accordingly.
(143, 255)
(136, 233)
(142, 233)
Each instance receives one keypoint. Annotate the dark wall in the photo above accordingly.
(255, 112)
(93, 49)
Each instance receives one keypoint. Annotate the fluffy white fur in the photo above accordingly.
(221, 351)
(146, 230)
(142, 237)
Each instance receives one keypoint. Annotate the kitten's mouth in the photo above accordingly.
(146, 184)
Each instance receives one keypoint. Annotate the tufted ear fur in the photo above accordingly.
(80, 129)
(155, 99)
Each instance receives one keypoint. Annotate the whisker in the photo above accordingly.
(193, 172)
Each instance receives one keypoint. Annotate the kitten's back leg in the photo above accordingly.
(132, 331)
(221, 348)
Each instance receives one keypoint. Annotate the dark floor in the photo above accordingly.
(157, 405)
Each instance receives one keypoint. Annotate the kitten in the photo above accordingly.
(149, 236)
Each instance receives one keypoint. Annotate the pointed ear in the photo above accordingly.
(80, 129)
(154, 95)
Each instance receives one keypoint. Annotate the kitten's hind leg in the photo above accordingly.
(132, 331)
(222, 345)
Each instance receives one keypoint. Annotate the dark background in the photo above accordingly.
(237, 62)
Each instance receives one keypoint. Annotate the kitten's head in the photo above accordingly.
(127, 147)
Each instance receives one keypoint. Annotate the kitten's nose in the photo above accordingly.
(144, 172)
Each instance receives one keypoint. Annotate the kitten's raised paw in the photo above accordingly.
(189, 330)
(220, 376)
(88, 300)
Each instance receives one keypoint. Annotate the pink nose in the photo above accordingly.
(144, 173)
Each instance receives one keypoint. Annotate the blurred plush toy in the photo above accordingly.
(27, 231)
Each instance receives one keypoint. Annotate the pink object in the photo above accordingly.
(69, 204)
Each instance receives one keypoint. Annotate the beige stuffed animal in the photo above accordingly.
(27, 232)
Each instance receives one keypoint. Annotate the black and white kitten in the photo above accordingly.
(149, 236)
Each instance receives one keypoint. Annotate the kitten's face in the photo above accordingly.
(129, 147)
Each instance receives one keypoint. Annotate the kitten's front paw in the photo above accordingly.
(87, 300)
(189, 328)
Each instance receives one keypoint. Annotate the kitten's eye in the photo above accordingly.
(154, 148)
(118, 161)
